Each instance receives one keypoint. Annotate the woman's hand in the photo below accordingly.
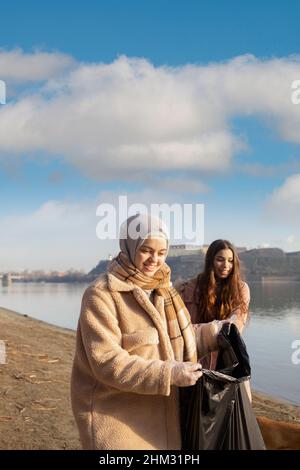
(184, 374)
(234, 319)
(218, 325)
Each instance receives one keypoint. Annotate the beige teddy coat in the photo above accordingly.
(120, 386)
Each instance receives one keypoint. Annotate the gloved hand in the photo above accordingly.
(218, 325)
(184, 374)
(239, 321)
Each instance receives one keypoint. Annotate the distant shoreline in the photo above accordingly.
(261, 280)
(258, 264)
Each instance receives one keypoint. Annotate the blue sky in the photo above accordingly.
(165, 32)
(224, 68)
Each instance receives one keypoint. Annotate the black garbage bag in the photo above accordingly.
(216, 413)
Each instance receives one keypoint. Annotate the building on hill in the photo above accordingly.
(187, 250)
(184, 250)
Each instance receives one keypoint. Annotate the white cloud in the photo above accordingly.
(291, 165)
(284, 203)
(62, 234)
(181, 185)
(291, 239)
(129, 118)
(58, 235)
(17, 66)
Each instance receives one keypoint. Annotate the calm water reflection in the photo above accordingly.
(274, 325)
(54, 303)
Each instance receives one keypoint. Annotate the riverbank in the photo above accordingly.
(35, 410)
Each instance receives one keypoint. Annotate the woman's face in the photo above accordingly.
(223, 263)
(151, 256)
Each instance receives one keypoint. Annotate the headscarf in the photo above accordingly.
(180, 330)
(136, 229)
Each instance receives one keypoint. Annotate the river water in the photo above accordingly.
(273, 329)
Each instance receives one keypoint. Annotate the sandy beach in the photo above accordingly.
(35, 410)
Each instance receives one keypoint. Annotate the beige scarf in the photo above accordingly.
(180, 329)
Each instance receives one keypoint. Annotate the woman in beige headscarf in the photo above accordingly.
(135, 346)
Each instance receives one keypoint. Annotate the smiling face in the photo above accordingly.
(151, 256)
(223, 263)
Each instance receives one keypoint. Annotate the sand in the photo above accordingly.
(35, 411)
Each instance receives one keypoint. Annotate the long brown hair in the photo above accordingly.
(219, 297)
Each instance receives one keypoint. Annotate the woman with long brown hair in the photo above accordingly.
(216, 295)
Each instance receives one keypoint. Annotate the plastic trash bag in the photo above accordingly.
(216, 413)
